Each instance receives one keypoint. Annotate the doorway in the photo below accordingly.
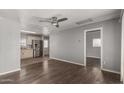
(31, 47)
(93, 47)
(46, 46)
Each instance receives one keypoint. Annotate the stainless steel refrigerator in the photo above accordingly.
(37, 48)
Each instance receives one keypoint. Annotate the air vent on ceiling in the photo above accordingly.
(84, 21)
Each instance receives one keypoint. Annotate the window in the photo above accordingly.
(45, 43)
(96, 42)
(23, 42)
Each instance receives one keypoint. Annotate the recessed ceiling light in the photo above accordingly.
(24, 31)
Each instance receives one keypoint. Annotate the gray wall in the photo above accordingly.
(9, 46)
(69, 44)
(90, 50)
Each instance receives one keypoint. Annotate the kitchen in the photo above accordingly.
(33, 46)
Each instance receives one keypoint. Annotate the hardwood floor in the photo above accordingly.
(58, 72)
(28, 61)
(93, 62)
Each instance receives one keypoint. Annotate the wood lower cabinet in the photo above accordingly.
(26, 53)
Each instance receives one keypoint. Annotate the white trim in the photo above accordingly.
(122, 50)
(101, 33)
(110, 71)
(83, 65)
(4, 73)
(93, 57)
(67, 61)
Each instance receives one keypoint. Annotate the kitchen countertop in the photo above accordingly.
(27, 48)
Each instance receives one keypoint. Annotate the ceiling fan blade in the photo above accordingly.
(43, 19)
(62, 19)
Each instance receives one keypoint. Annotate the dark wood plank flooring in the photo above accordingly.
(58, 72)
(93, 62)
(29, 61)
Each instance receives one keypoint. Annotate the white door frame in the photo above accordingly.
(101, 33)
(122, 50)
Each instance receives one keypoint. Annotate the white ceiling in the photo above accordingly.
(28, 22)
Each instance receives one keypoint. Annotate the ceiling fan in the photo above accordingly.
(53, 20)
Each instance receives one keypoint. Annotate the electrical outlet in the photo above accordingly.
(79, 40)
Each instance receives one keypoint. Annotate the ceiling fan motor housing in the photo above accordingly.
(54, 21)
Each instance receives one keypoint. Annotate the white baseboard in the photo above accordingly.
(83, 65)
(93, 57)
(110, 71)
(4, 73)
(67, 61)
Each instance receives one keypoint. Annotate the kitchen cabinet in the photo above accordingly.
(26, 53)
(31, 37)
